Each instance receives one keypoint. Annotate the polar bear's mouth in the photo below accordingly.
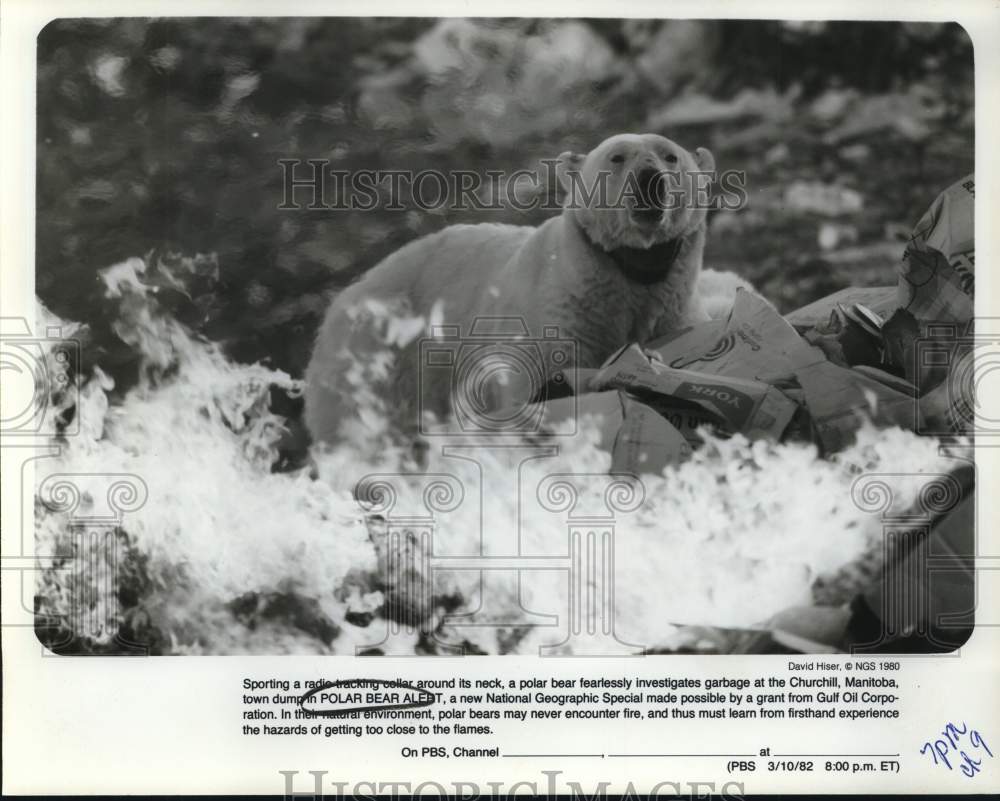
(647, 265)
(651, 200)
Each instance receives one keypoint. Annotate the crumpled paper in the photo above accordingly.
(937, 274)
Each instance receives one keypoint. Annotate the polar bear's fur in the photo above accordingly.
(717, 291)
(600, 276)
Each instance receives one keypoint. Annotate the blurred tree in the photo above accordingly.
(166, 133)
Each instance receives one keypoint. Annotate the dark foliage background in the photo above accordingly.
(165, 134)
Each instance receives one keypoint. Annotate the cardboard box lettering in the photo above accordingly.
(751, 407)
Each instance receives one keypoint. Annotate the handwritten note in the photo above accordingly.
(959, 746)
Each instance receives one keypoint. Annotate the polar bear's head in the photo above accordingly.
(637, 190)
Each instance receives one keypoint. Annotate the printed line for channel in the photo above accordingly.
(684, 756)
(552, 756)
(835, 755)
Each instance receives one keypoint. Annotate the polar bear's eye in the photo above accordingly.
(670, 158)
(618, 158)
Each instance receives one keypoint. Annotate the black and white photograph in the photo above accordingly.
(444, 336)
(569, 399)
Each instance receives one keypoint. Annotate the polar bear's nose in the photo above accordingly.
(652, 189)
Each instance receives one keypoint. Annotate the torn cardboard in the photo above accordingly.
(840, 398)
(901, 385)
(687, 343)
(688, 418)
(937, 274)
(883, 300)
(755, 343)
(750, 407)
(639, 439)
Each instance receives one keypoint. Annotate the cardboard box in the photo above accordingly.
(937, 274)
(754, 343)
(840, 398)
(639, 439)
(679, 348)
(757, 343)
(882, 300)
(688, 418)
(750, 407)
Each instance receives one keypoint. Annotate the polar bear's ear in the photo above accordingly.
(566, 163)
(705, 160)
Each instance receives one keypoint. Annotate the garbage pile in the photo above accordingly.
(895, 356)
(242, 548)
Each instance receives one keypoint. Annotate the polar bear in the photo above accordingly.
(716, 291)
(619, 264)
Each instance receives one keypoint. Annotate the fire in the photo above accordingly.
(227, 556)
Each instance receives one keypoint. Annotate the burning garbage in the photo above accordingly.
(860, 354)
(713, 418)
(898, 356)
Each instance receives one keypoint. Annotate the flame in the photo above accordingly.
(740, 532)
